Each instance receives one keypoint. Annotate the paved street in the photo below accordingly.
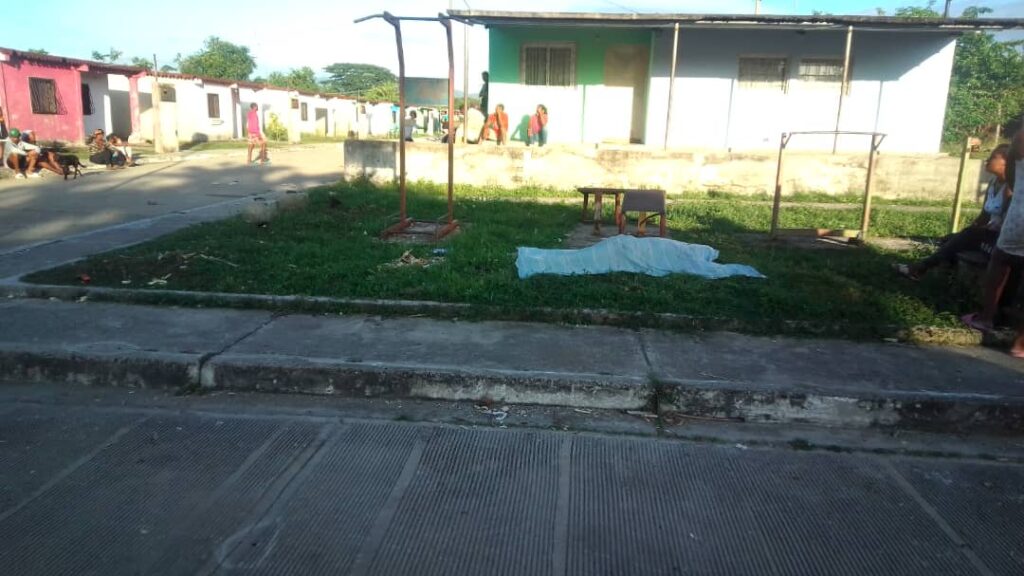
(112, 481)
(34, 211)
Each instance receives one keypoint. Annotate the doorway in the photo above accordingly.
(628, 66)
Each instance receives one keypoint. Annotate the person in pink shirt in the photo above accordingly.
(538, 133)
(256, 137)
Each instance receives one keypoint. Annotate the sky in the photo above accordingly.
(286, 34)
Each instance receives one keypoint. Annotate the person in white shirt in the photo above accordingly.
(20, 156)
(408, 126)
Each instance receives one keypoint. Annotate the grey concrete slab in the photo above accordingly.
(110, 329)
(47, 209)
(421, 342)
(983, 503)
(499, 518)
(325, 524)
(38, 442)
(99, 522)
(642, 507)
(832, 366)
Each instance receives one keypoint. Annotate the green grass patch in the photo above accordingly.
(331, 248)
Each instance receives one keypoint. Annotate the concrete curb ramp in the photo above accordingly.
(717, 375)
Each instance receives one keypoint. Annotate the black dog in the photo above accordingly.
(70, 163)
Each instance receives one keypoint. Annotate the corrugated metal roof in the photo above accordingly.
(491, 18)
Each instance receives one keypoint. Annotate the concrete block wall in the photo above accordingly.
(921, 176)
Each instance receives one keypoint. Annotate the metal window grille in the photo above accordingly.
(213, 105)
(87, 109)
(44, 95)
(549, 65)
(763, 73)
(822, 70)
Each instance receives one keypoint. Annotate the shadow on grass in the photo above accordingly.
(331, 248)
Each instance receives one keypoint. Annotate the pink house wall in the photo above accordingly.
(67, 124)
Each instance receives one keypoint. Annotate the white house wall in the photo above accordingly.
(110, 105)
(899, 87)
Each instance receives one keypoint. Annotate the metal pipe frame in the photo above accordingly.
(671, 82)
(845, 85)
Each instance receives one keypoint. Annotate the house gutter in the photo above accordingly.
(845, 85)
(671, 82)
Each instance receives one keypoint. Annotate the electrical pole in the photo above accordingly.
(945, 13)
(757, 6)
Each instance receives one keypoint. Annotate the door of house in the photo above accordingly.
(627, 66)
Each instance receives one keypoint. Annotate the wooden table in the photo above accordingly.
(598, 194)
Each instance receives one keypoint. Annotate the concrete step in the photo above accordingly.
(706, 376)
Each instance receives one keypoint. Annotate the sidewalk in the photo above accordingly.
(719, 375)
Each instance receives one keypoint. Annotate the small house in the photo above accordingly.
(725, 82)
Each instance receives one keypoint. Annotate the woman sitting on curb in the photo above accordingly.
(983, 232)
(1008, 256)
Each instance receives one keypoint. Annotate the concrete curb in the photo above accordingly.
(150, 370)
(895, 409)
(308, 376)
(597, 317)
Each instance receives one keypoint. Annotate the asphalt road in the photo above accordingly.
(36, 211)
(122, 482)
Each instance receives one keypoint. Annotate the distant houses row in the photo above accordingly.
(65, 99)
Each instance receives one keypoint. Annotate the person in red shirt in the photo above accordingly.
(499, 123)
(256, 137)
(538, 133)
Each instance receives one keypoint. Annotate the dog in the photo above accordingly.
(70, 164)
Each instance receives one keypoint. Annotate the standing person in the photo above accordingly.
(538, 133)
(20, 156)
(485, 92)
(983, 231)
(256, 136)
(497, 122)
(3, 125)
(408, 126)
(1008, 256)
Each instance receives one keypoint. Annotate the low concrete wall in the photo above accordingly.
(897, 176)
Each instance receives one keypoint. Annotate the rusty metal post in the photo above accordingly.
(447, 23)
(402, 214)
(965, 156)
(844, 86)
(865, 220)
(776, 204)
(672, 81)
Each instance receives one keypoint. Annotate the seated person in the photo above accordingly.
(100, 151)
(497, 122)
(19, 155)
(47, 156)
(120, 146)
(408, 126)
(982, 232)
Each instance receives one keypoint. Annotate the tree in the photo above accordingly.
(140, 62)
(356, 79)
(220, 59)
(384, 92)
(927, 11)
(297, 79)
(38, 51)
(987, 88)
(112, 56)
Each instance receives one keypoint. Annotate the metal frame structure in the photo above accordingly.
(862, 233)
(404, 222)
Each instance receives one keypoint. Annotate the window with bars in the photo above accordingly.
(44, 95)
(548, 64)
(822, 71)
(763, 73)
(213, 105)
(304, 112)
(86, 100)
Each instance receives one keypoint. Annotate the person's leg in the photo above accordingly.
(992, 286)
(1017, 351)
(970, 238)
(543, 136)
(15, 162)
(33, 159)
(252, 145)
(263, 150)
(51, 163)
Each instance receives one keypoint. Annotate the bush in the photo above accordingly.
(275, 129)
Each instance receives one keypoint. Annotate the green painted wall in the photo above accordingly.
(591, 44)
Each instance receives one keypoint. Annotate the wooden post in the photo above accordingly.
(999, 123)
(778, 185)
(402, 214)
(671, 81)
(843, 86)
(865, 219)
(451, 107)
(954, 225)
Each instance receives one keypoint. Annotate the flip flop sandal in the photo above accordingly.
(905, 271)
(971, 321)
(1017, 354)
